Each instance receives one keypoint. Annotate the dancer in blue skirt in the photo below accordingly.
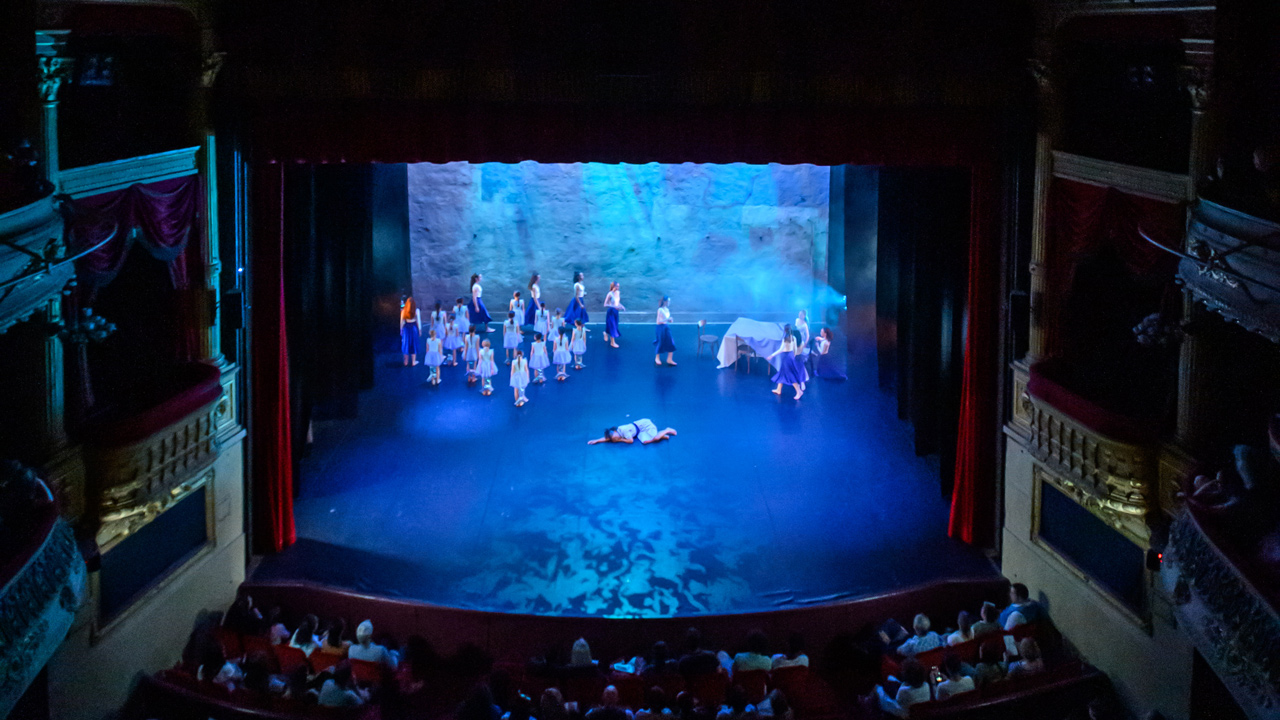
(663, 341)
(577, 310)
(410, 330)
(476, 311)
(535, 303)
(612, 306)
(790, 372)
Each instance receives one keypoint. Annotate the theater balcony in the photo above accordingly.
(42, 580)
(34, 265)
(1232, 265)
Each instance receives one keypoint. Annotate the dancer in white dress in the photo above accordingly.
(510, 335)
(486, 368)
(643, 430)
(519, 378)
(578, 345)
(538, 360)
(434, 357)
(561, 356)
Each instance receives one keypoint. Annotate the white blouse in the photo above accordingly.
(476, 290)
(613, 299)
(664, 316)
(534, 292)
(579, 290)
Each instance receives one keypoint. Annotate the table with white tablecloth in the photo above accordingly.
(762, 337)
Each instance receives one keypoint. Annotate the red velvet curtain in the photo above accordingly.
(1083, 218)
(272, 448)
(385, 133)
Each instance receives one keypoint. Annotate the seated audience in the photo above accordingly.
(695, 660)
(366, 649)
(923, 641)
(334, 642)
(756, 655)
(1022, 609)
(340, 690)
(655, 705)
(258, 678)
(608, 709)
(990, 667)
(659, 664)
(521, 708)
(954, 680)
(736, 706)
(1029, 662)
(418, 659)
(244, 618)
(304, 638)
(298, 685)
(990, 622)
(216, 669)
(794, 655)
(276, 631)
(913, 689)
(775, 705)
(551, 705)
(964, 629)
(580, 656)
(479, 706)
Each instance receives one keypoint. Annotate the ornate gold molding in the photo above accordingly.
(53, 71)
(1112, 479)
(1156, 184)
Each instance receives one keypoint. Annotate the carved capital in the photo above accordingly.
(1040, 73)
(1195, 80)
(209, 69)
(53, 70)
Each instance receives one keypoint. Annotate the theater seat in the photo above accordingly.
(232, 647)
(366, 672)
(710, 687)
(321, 661)
(289, 658)
(256, 644)
(630, 688)
(754, 682)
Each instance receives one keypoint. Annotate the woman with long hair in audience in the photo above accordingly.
(304, 638)
(334, 642)
(1029, 660)
(410, 330)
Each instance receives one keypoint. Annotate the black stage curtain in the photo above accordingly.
(921, 268)
(327, 258)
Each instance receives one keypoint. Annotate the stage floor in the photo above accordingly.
(443, 495)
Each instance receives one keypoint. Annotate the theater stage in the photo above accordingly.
(443, 495)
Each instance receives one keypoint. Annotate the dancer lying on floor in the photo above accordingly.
(643, 430)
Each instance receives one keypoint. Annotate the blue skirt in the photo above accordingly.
(576, 311)
(828, 368)
(409, 339)
(611, 322)
(790, 370)
(663, 341)
(478, 317)
(530, 312)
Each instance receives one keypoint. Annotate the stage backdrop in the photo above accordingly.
(721, 240)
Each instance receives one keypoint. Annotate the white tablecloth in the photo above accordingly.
(763, 337)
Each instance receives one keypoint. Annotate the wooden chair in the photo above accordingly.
(744, 350)
(705, 339)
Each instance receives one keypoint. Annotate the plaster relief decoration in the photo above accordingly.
(1232, 265)
(53, 71)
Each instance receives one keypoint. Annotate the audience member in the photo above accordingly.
(502, 688)
(1022, 609)
(340, 690)
(1029, 662)
(334, 641)
(479, 706)
(990, 622)
(276, 631)
(923, 641)
(580, 656)
(794, 655)
(244, 618)
(418, 659)
(755, 657)
(366, 649)
(695, 660)
(954, 680)
(215, 668)
(990, 666)
(521, 708)
(736, 706)
(775, 705)
(551, 705)
(304, 638)
(660, 664)
(964, 629)
(608, 709)
(297, 685)
(655, 705)
(258, 678)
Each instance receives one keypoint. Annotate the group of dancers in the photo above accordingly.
(448, 333)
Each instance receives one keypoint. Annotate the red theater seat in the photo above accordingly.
(754, 682)
(710, 687)
(366, 672)
(630, 689)
(321, 661)
(290, 658)
(232, 647)
(256, 644)
(583, 689)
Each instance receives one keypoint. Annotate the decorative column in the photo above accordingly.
(1047, 132)
(53, 70)
(211, 336)
(1193, 393)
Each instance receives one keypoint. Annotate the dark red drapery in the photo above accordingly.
(272, 449)
(1083, 218)
(354, 133)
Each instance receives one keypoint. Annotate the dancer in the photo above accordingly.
(541, 316)
(410, 329)
(461, 318)
(516, 305)
(434, 358)
(577, 310)
(561, 355)
(554, 324)
(612, 306)
(510, 336)
(471, 353)
(538, 357)
(788, 373)
(438, 318)
(485, 368)
(452, 341)
(579, 344)
(802, 327)
(535, 303)
(826, 366)
(643, 430)
(478, 314)
(520, 378)
(663, 341)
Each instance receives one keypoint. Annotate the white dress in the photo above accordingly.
(510, 334)
(561, 356)
(579, 341)
(538, 355)
(519, 373)
(486, 367)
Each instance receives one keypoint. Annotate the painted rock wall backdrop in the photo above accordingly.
(721, 240)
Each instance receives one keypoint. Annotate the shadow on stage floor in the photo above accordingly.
(443, 495)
